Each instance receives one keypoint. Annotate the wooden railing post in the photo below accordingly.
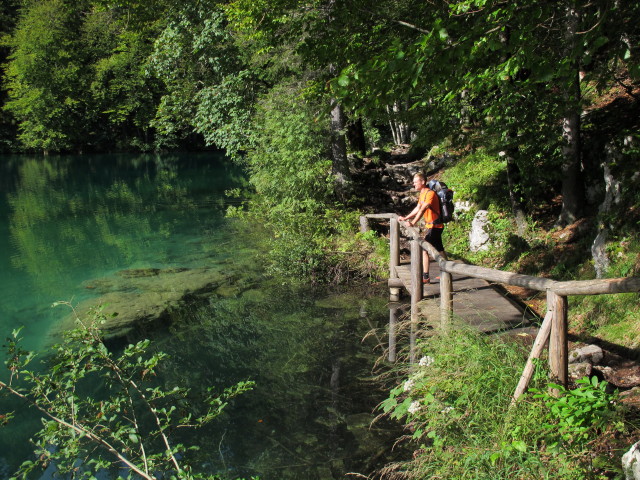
(558, 343)
(394, 257)
(536, 350)
(364, 224)
(416, 278)
(393, 321)
(446, 298)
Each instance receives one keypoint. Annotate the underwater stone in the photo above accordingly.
(134, 298)
(139, 272)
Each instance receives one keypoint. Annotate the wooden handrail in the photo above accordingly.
(554, 327)
(564, 288)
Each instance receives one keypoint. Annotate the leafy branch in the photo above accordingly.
(126, 423)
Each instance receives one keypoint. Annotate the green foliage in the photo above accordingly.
(125, 423)
(455, 404)
(93, 91)
(613, 318)
(577, 415)
(479, 177)
(291, 174)
(306, 233)
(348, 256)
(208, 89)
(46, 100)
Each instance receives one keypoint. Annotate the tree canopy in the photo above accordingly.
(511, 77)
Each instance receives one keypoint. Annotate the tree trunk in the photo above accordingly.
(572, 185)
(399, 130)
(513, 181)
(340, 163)
(511, 152)
(355, 135)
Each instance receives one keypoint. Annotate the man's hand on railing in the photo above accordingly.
(404, 219)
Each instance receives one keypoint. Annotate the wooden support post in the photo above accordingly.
(364, 224)
(416, 278)
(393, 321)
(394, 258)
(536, 351)
(558, 344)
(446, 299)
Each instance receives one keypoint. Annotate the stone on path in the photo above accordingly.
(591, 354)
(631, 463)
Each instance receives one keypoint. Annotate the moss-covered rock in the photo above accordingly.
(138, 298)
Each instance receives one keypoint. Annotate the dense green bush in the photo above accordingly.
(303, 229)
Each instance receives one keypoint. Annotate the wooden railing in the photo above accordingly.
(554, 326)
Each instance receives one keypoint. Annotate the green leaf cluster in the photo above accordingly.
(575, 415)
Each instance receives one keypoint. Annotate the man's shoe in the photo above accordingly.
(425, 278)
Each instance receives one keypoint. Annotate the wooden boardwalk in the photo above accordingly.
(476, 301)
(465, 292)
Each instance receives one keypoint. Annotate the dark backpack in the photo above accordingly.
(445, 195)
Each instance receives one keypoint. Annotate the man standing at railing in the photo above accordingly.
(428, 208)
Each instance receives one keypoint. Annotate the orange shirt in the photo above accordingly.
(432, 213)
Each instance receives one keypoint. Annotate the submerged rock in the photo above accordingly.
(340, 301)
(228, 291)
(139, 272)
(142, 297)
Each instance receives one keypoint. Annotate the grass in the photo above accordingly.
(456, 408)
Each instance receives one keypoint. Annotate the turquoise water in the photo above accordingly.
(136, 232)
(67, 220)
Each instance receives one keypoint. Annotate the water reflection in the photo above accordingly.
(69, 219)
(311, 412)
(56, 218)
(394, 311)
(80, 226)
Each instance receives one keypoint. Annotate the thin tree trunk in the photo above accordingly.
(394, 127)
(572, 185)
(340, 163)
(403, 127)
(399, 130)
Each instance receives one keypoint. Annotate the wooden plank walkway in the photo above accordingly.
(481, 305)
(475, 301)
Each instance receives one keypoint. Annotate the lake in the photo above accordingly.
(147, 236)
